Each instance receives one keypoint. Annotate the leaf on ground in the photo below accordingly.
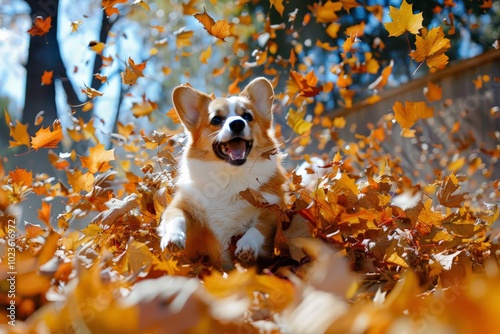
(403, 20)
(98, 159)
(116, 209)
(445, 194)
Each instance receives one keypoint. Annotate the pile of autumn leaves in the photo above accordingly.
(365, 251)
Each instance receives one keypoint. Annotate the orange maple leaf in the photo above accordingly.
(19, 133)
(411, 112)
(44, 138)
(44, 213)
(278, 5)
(381, 81)
(21, 177)
(40, 26)
(132, 72)
(47, 77)
(109, 8)
(349, 4)
(403, 20)
(80, 181)
(326, 12)
(219, 29)
(433, 92)
(306, 84)
(431, 48)
(98, 159)
(91, 92)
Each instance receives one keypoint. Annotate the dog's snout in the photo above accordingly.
(237, 126)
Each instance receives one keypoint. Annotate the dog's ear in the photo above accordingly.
(190, 104)
(261, 94)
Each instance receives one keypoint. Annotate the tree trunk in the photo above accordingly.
(44, 55)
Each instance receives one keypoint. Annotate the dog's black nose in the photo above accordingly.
(237, 126)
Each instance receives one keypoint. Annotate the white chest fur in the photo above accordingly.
(215, 186)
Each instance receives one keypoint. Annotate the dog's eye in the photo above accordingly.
(216, 120)
(247, 116)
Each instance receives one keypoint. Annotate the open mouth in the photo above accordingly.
(234, 151)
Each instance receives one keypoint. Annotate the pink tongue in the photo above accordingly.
(237, 150)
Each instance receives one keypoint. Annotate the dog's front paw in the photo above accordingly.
(249, 246)
(173, 235)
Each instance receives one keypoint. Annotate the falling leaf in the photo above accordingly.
(349, 4)
(98, 159)
(97, 47)
(109, 6)
(219, 29)
(172, 113)
(132, 72)
(325, 13)
(206, 54)
(19, 133)
(382, 79)
(142, 4)
(433, 92)
(79, 181)
(295, 119)
(183, 37)
(75, 25)
(91, 92)
(47, 78)
(145, 108)
(21, 177)
(333, 29)
(306, 84)
(403, 20)
(44, 138)
(44, 213)
(431, 48)
(278, 5)
(411, 112)
(40, 26)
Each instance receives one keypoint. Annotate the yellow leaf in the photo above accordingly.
(205, 54)
(326, 12)
(403, 20)
(433, 92)
(278, 5)
(97, 47)
(295, 119)
(75, 25)
(183, 37)
(79, 181)
(411, 112)
(431, 48)
(20, 135)
(44, 138)
(98, 159)
(219, 29)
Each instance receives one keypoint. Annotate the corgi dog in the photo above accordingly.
(231, 147)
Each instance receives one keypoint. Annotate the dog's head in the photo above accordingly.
(233, 129)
